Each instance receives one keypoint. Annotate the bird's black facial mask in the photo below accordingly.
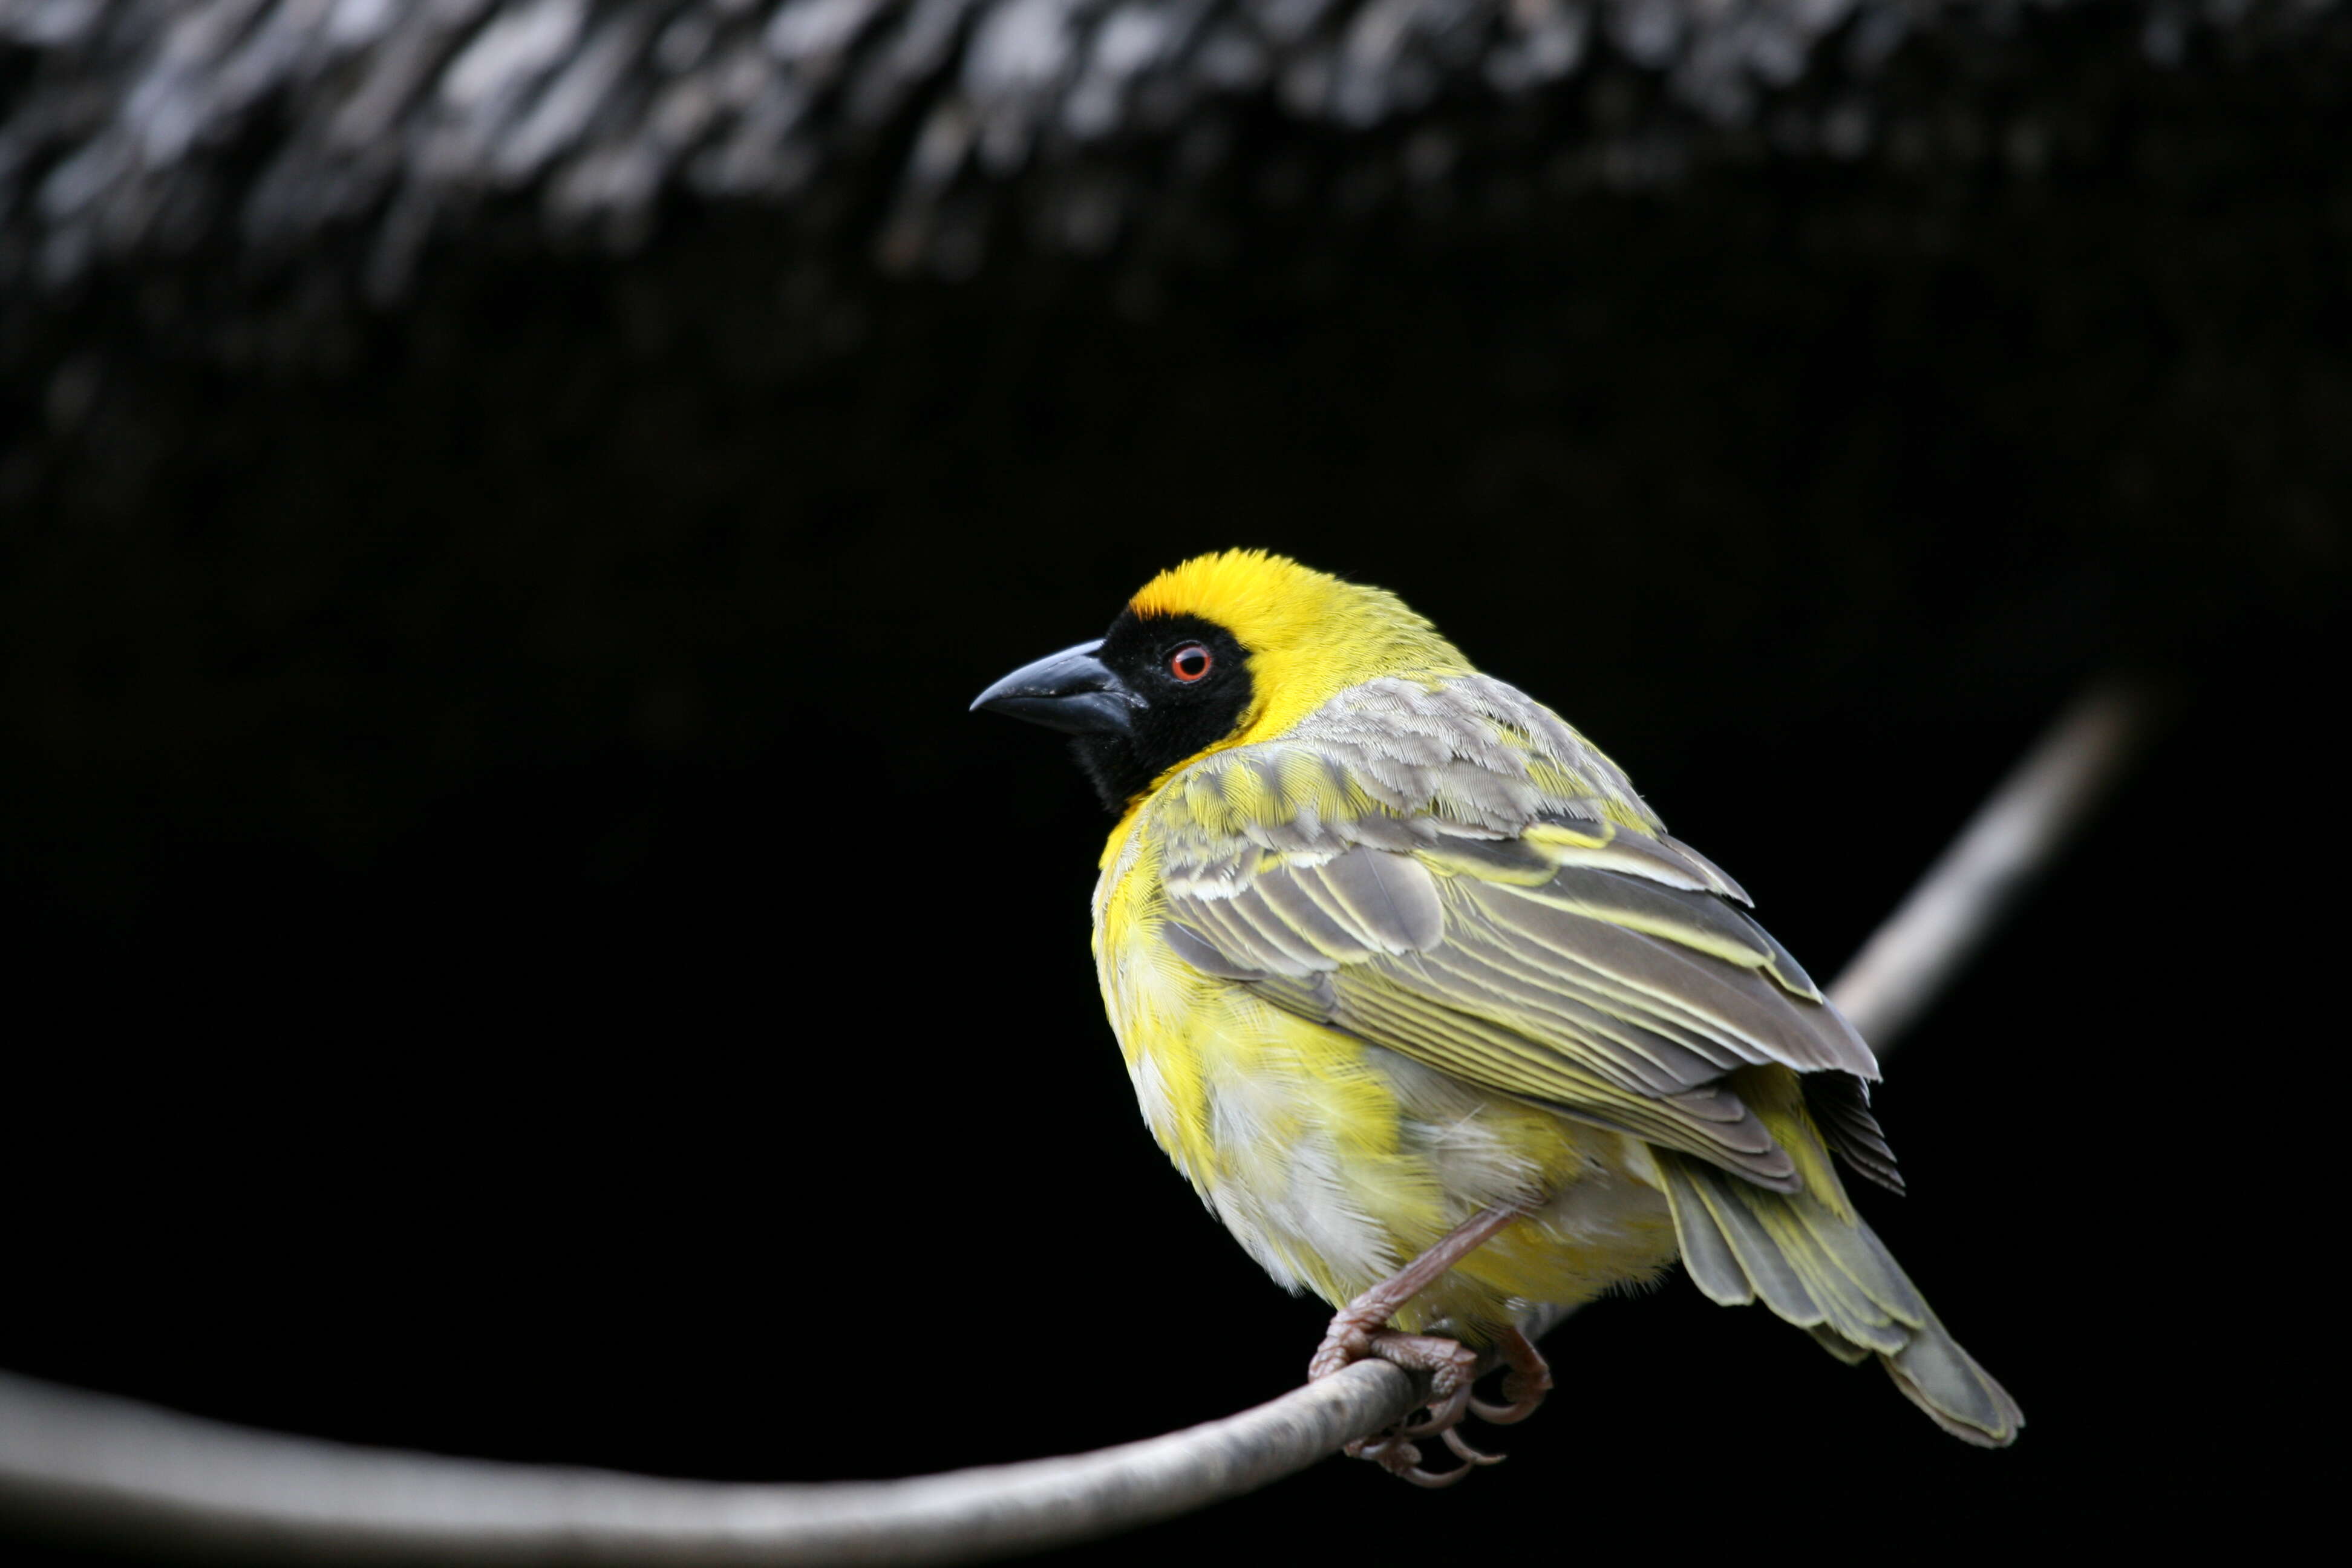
(1189, 681)
(1151, 694)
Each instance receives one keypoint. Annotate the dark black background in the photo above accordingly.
(520, 951)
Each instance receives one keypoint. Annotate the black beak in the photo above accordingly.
(1071, 691)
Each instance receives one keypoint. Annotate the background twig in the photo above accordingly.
(1946, 916)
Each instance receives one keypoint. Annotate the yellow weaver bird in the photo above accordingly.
(1435, 1015)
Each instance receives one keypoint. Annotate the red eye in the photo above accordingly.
(1190, 663)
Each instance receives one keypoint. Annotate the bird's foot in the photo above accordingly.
(1360, 1329)
(1452, 1368)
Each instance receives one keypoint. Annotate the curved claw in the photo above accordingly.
(1505, 1415)
(1523, 1386)
(1468, 1455)
(1402, 1460)
(1435, 1480)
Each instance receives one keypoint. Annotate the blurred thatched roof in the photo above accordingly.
(401, 394)
(347, 135)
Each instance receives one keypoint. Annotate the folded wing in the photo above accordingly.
(1591, 965)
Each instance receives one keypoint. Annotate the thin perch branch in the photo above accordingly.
(93, 1467)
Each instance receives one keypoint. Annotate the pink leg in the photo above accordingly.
(1359, 1329)
(1349, 1338)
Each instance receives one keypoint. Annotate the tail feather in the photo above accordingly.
(1939, 1377)
(1828, 1273)
(1846, 1350)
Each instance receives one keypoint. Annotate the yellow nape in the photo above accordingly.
(1310, 635)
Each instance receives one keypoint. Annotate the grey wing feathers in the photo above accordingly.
(1617, 1000)
(1692, 980)
(1305, 916)
(1840, 1104)
(1392, 898)
(1454, 874)
(1202, 953)
(1660, 858)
